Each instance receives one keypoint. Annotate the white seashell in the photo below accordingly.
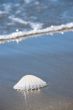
(29, 82)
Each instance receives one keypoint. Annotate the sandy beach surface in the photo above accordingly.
(48, 57)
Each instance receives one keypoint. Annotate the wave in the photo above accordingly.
(23, 22)
(18, 36)
(18, 20)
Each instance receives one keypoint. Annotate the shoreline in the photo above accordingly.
(19, 36)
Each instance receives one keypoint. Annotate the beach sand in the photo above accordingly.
(48, 57)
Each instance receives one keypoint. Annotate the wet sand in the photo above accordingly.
(50, 58)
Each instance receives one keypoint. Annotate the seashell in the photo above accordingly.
(29, 82)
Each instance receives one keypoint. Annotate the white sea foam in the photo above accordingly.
(2, 13)
(18, 20)
(28, 1)
(35, 26)
(7, 7)
(18, 36)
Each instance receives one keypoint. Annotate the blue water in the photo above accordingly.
(48, 12)
(52, 44)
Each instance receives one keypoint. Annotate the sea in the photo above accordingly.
(36, 38)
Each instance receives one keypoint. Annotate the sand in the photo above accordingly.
(50, 58)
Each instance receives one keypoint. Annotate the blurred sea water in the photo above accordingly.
(24, 15)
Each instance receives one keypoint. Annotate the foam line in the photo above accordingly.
(18, 36)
